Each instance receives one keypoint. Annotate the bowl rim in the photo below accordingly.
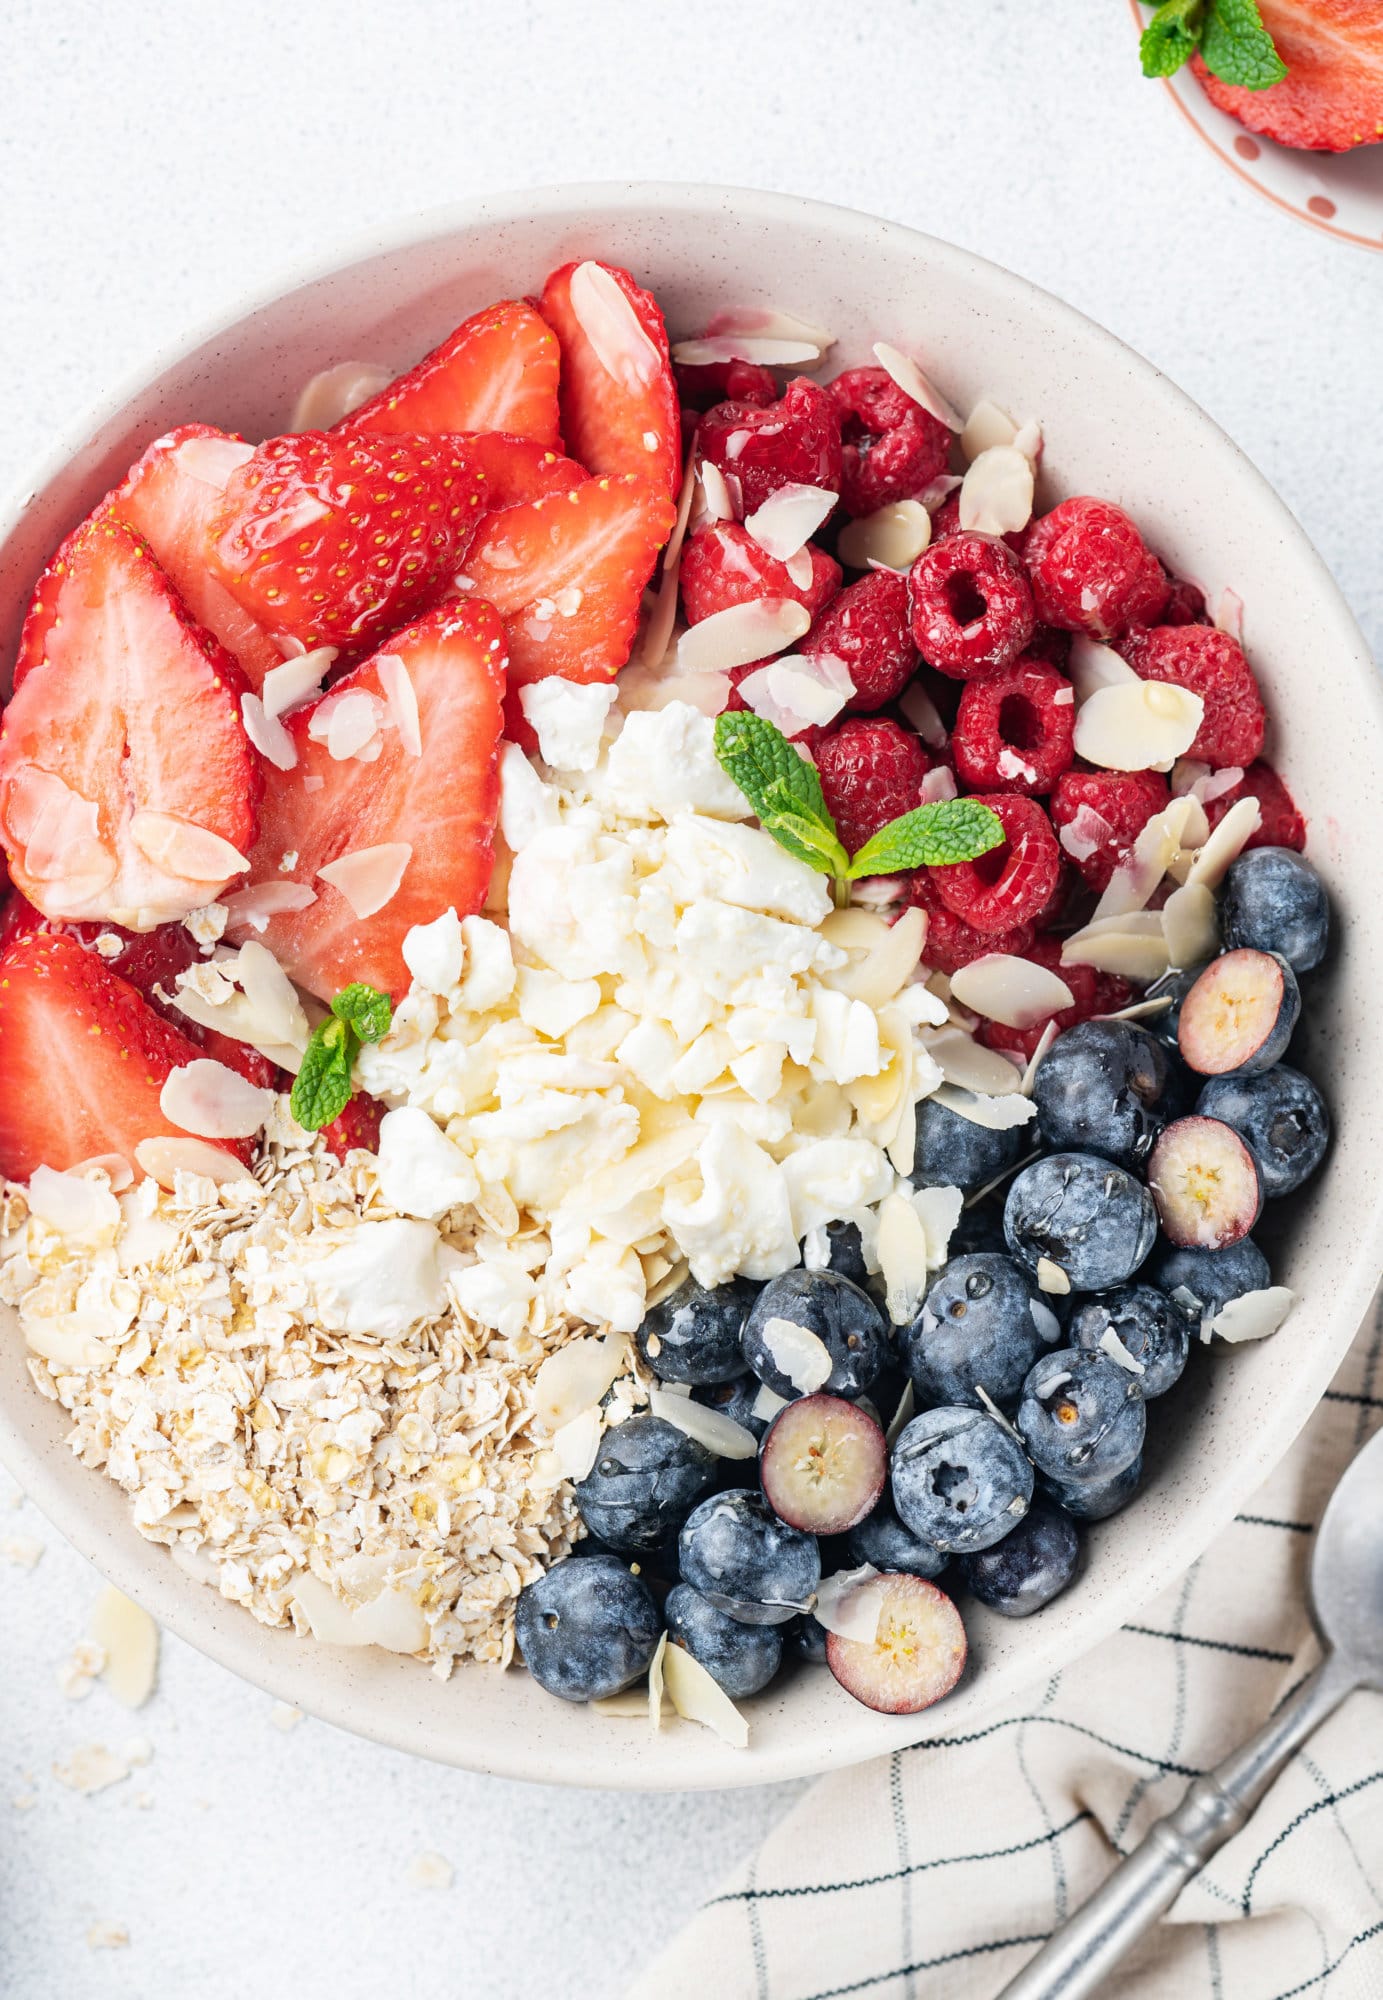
(179, 1603)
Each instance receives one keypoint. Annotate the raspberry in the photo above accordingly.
(1281, 825)
(1050, 645)
(1186, 605)
(1014, 728)
(892, 449)
(1013, 882)
(950, 942)
(794, 442)
(724, 565)
(1213, 666)
(1099, 815)
(1091, 993)
(701, 387)
(972, 609)
(946, 519)
(871, 772)
(866, 629)
(1092, 571)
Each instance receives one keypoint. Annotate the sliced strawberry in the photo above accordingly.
(567, 574)
(1331, 98)
(518, 470)
(497, 372)
(82, 1060)
(357, 1126)
(169, 498)
(333, 538)
(128, 788)
(439, 805)
(619, 400)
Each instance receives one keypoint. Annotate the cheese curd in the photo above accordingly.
(657, 1058)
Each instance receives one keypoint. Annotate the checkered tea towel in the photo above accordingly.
(936, 1873)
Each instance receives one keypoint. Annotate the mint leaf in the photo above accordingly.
(1171, 36)
(1237, 47)
(322, 1087)
(808, 840)
(930, 837)
(365, 1009)
(755, 754)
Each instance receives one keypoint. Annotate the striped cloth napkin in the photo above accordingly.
(935, 1873)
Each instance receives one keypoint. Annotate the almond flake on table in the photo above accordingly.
(24, 1551)
(284, 1717)
(79, 1672)
(107, 1936)
(128, 1640)
(91, 1768)
(429, 1871)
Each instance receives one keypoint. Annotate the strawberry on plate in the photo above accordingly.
(128, 788)
(403, 820)
(332, 538)
(356, 1126)
(1331, 98)
(497, 372)
(567, 574)
(517, 469)
(169, 498)
(82, 1060)
(619, 399)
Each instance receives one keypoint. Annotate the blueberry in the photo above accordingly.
(837, 1312)
(742, 1658)
(1096, 1500)
(979, 1228)
(1146, 1323)
(1029, 1567)
(646, 1479)
(845, 1252)
(1173, 986)
(587, 1629)
(959, 1480)
(1280, 1116)
(1082, 1417)
(1202, 1282)
(693, 1335)
(1083, 1214)
(807, 1638)
(956, 1152)
(1273, 900)
(881, 1539)
(736, 1401)
(740, 1556)
(976, 1330)
(1104, 1087)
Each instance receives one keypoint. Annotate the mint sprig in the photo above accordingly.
(1230, 35)
(785, 792)
(322, 1087)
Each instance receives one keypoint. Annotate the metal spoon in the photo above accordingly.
(1346, 1594)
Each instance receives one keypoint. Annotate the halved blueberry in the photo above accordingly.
(960, 1481)
(823, 1464)
(1239, 1016)
(1273, 900)
(916, 1656)
(1083, 1214)
(1281, 1117)
(1205, 1183)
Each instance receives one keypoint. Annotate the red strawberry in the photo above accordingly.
(619, 401)
(169, 498)
(357, 1126)
(332, 539)
(440, 803)
(128, 788)
(518, 470)
(1331, 98)
(567, 574)
(497, 372)
(82, 1060)
(723, 565)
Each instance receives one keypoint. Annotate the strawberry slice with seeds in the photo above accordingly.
(497, 372)
(619, 399)
(1331, 98)
(82, 1060)
(357, 1126)
(518, 470)
(404, 819)
(332, 539)
(567, 574)
(128, 788)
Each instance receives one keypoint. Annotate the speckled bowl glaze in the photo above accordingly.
(1114, 427)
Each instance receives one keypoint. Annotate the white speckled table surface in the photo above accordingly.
(156, 159)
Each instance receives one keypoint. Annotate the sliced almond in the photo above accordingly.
(1092, 666)
(653, 1700)
(892, 537)
(1138, 726)
(1226, 843)
(1142, 869)
(996, 1114)
(743, 633)
(1051, 1278)
(770, 324)
(798, 1353)
(129, 1639)
(788, 519)
(891, 957)
(699, 1698)
(938, 784)
(334, 393)
(901, 1248)
(767, 350)
(402, 698)
(578, 1442)
(987, 424)
(1254, 1315)
(661, 619)
(719, 1433)
(964, 1061)
(1189, 927)
(914, 383)
(996, 493)
(296, 681)
(615, 331)
(575, 1378)
(796, 693)
(850, 1603)
(212, 1101)
(212, 460)
(267, 733)
(179, 848)
(263, 900)
(370, 877)
(163, 1159)
(1016, 992)
(1132, 954)
(715, 493)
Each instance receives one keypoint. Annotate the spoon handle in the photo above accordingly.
(1080, 1956)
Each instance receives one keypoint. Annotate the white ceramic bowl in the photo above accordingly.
(1114, 427)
